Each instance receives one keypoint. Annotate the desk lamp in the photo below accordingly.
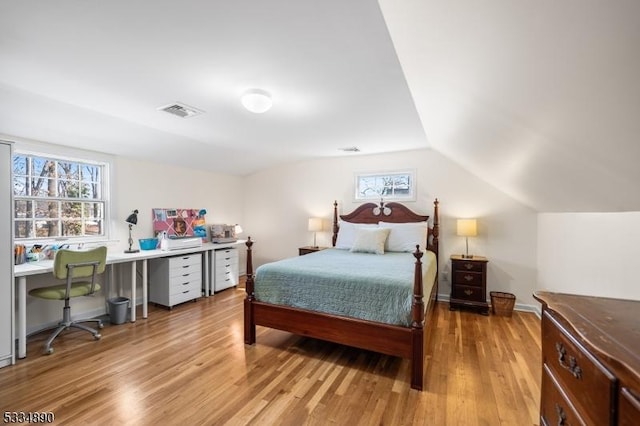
(132, 219)
(467, 228)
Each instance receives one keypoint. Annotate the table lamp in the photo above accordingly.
(315, 225)
(131, 220)
(467, 228)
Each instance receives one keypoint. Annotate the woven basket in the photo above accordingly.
(502, 303)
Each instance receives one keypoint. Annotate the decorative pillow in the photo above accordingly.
(347, 233)
(405, 236)
(369, 240)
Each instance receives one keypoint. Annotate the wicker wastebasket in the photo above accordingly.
(502, 303)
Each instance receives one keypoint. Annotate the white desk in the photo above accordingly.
(21, 272)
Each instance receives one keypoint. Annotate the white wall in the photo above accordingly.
(589, 253)
(279, 201)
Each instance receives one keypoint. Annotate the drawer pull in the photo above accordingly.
(562, 417)
(573, 366)
(468, 292)
(185, 266)
(185, 292)
(468, 277)
(227, 273)
(187, 283)
(469, 266)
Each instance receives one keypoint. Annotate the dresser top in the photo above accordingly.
(611, 327)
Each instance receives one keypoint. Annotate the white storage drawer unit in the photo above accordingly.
(225, 268)
(174, 280)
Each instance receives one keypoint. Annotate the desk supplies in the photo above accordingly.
(183, 243)
(20, 254)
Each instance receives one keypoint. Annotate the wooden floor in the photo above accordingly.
(190, 366)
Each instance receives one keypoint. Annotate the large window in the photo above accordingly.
(56, 198)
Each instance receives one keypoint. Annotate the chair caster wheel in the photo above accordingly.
(101, 325)
(97, 336)
(48, 351)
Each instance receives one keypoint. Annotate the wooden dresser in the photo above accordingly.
(590, 360)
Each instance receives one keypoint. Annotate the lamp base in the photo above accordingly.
(131, 251)
(467, 256)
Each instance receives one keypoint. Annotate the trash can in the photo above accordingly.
(118, 310)
(502, 303)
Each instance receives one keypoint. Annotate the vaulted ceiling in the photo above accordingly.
(540, 99)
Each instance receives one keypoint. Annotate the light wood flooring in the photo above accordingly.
(189, 366)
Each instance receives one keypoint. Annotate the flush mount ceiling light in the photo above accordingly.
(257, 100)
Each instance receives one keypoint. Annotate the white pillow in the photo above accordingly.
(368, 240)
(405, 236)
(347, 233)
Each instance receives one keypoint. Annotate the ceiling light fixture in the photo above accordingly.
(257, 100)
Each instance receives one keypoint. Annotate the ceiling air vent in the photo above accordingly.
(181, 110)
(350, 149)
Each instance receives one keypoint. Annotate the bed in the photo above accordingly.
(353, 320)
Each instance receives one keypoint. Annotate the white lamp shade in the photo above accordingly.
(315, 224)
(467, 228)
(257, 100)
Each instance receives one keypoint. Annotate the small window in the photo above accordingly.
(56, 198)
(389, 186)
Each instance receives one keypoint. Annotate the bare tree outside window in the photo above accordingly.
(55, 198)
(389, 186)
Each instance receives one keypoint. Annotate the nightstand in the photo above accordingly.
(469, 283)
(309, 249)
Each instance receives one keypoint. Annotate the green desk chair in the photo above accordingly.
(71, 265)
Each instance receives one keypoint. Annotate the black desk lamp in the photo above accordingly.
(132, 219)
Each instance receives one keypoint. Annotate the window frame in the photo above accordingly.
(409, 196)
(104, 189)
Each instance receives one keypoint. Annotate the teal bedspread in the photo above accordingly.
(360, 285)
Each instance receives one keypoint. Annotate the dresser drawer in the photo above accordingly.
(471, 293)
(185, 271)
(187, 283)
(555, 407)
(584, 379)
(226, 255)
(184, 296)
(628, 408)
(468, 278)
(467, 266)
(186, 260)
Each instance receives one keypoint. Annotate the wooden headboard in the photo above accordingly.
(389, 212)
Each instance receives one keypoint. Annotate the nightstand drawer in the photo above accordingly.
(584, 379)
(468, 278)
(467, 266)
(471, 293)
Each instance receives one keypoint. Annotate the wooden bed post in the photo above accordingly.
(417, 324)
(436, 227)
(249, 320)
(335, 223)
